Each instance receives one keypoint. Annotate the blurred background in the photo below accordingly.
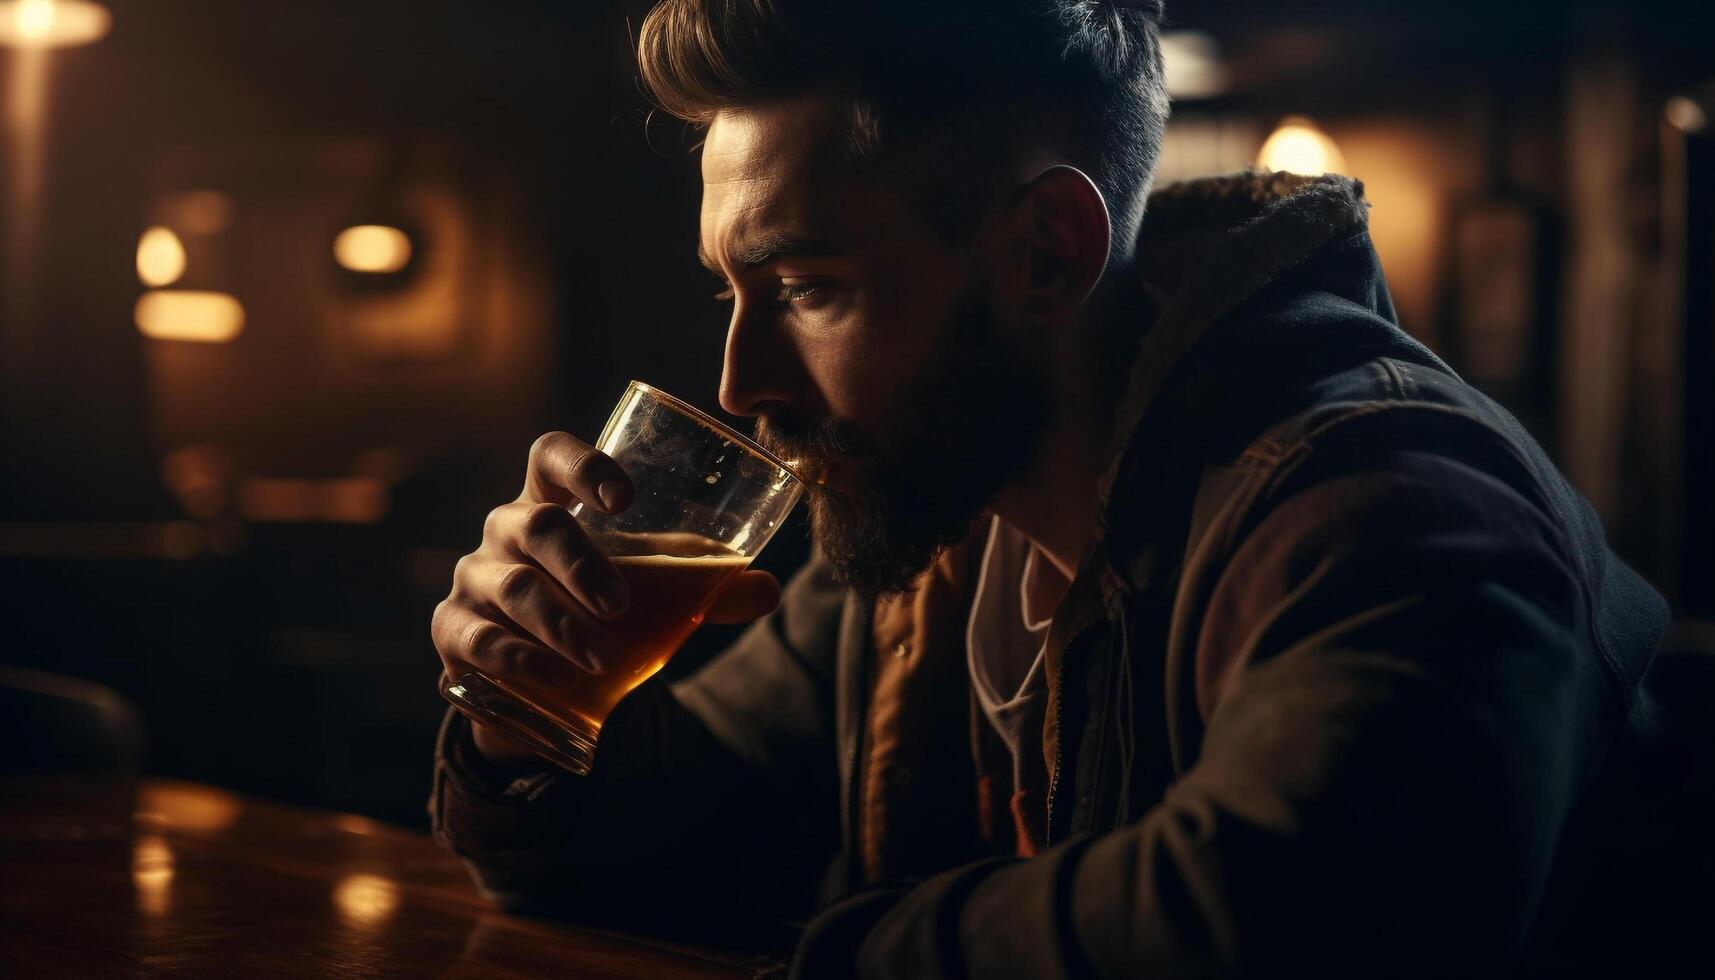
(288, 289)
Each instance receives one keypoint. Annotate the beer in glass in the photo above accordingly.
(707, 500)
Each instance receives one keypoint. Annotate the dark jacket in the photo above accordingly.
(1348, 658)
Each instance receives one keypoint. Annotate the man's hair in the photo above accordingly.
(941, 95)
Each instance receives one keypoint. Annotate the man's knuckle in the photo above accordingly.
(481, 638)
(545, 443)
(494, 523)
(516, 583)
(513, 658)
(439, 621)
(543, 520)
(462, 571)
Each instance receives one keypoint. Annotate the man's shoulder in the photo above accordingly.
(1368, 426)
(1410, 475)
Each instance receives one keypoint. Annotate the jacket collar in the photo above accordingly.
(1207, 246)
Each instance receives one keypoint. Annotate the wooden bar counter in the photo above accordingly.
(106, 878)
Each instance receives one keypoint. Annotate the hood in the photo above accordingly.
(1260, 283)
(1215, 251)
(1208, 246)
(1197, 233)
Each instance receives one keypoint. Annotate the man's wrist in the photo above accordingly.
(493, 777)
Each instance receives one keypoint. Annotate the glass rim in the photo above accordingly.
(726, 431)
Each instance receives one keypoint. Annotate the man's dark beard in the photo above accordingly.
(967, 427)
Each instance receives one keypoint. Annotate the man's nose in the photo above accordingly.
(761, 366)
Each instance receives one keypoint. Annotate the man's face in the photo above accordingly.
(869, 351)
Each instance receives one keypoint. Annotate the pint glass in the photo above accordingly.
(707, 500)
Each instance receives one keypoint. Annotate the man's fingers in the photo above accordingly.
(548, 536)
(469, 641)
(564, 470)
(525, 595)
(750, 595)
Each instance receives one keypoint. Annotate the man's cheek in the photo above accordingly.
(856, 377)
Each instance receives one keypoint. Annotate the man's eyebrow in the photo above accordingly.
(769, 247)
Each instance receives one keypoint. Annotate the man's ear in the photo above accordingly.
(1055, 243)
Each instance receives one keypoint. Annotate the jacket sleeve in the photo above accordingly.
(1401, 705)
(698, 790)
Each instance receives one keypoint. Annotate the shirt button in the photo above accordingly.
(902, 651)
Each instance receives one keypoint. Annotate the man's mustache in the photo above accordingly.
(809, 444)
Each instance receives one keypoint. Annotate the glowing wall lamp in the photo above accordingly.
(188, 314)
(1298, 146)
(52, 23)
(377, 249)
(1685, 114)
(160, 257)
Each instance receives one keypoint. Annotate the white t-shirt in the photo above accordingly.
(1005, 641)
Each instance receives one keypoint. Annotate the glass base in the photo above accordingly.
(568, 743)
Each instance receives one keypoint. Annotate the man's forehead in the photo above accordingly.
(797, 136)
(772, 169)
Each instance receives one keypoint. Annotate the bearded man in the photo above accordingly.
(1173, 612)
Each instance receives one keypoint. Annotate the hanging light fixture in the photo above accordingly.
(380, 249)
(1299, 146)
(52, 23)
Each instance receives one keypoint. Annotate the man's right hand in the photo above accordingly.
(531, 603)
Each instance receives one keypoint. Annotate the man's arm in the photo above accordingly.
(1402, 706)
(681, 805)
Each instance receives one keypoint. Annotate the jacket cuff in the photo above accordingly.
(472, 793)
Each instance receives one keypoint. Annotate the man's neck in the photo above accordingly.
(1054, 502)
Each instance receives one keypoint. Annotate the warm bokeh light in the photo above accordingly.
(365, 899)
(1408, 168)
(1191, 61)
(351, 823)
(152, 874)
(186, 314)
(52, 23)
(355, 500)
(1298, 146)
(160, 257)
(186, 806)
(372, 248)
(1685, 114)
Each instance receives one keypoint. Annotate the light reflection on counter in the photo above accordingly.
(365, 900)
(152, 875)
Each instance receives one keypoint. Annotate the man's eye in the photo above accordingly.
(792, 292)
